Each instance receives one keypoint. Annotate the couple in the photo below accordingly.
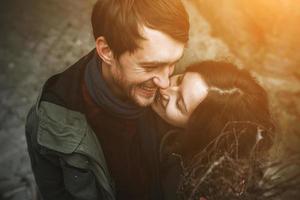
(92, 133)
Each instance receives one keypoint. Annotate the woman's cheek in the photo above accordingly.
(175, 116)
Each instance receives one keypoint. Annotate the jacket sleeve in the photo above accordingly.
(46, 168)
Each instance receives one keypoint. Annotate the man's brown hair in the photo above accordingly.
(118, 21)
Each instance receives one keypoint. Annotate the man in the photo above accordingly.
(90, 135)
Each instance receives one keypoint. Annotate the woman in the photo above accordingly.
(223, 111)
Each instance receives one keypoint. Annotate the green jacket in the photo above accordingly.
(66, 133)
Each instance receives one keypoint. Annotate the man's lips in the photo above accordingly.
(148, 91)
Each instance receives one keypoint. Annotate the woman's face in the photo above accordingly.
(176, 103)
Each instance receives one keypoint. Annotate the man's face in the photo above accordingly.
(139, 75)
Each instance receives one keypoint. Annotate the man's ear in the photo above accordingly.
(104, 51)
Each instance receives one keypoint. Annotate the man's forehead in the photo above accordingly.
(155, 62)
(158, 47)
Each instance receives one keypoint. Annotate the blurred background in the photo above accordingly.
(41, 38)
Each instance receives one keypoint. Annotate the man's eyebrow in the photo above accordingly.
(158, 63)
(153, 63)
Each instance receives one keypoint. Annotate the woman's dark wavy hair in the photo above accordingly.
(234, 101)
(118, 21)
(228, 138)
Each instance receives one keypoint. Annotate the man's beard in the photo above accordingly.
(131, 93)
(134, 94)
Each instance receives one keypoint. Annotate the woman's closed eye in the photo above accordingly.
(178, 105)
(181, 106)
(164, 100)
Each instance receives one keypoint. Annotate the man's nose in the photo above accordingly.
(162, 79)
